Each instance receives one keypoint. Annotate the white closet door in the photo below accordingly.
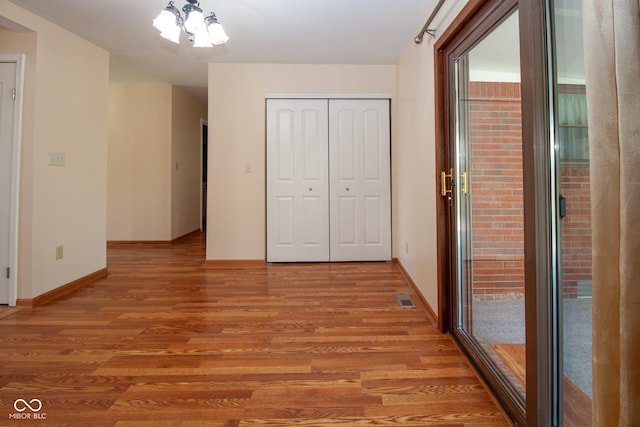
(360, 180)
(297, 180)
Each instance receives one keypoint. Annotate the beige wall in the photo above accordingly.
(187, 113)
(66, 95)
(414, 170)
(153, 162)
(236, 198)
(415, 189)
(139, 162)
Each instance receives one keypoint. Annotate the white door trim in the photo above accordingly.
(19, 60)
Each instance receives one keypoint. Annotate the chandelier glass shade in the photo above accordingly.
(202, 31)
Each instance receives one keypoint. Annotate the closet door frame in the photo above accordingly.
(328, 98)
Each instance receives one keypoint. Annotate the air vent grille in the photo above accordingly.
(405, 301)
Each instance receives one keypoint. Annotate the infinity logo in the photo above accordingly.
(21, 405)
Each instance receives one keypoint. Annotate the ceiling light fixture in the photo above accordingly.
(202, 32)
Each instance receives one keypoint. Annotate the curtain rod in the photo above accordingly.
(426, 29)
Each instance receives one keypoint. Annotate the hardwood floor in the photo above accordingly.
(166, 341)
(577, 404)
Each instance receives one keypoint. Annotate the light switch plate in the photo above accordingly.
(57, 158)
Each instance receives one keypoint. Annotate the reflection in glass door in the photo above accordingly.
(487, 198)
(574, 223)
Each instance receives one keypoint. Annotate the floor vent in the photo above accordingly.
(405, 301)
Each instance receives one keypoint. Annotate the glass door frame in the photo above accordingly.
(540, 208)
(541, 238)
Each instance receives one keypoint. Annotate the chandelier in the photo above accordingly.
(202, 32)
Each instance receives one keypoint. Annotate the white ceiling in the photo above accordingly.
(260, 31)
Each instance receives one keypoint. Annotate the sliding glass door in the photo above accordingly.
(516, 204)
(484, 186)
(488, 201)
(573, 221)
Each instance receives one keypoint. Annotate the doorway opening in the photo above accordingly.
(204, 165)
(11, 84)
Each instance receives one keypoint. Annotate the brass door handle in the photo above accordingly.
(463, 184)
(443, 182)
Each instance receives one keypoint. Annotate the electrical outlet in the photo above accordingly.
(59, 252)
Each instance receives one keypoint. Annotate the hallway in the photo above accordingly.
(168, 340)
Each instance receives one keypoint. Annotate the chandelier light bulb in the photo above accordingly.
(216, 34)
(201, 38)
(165, 21)
(194, 22)
(172, 34)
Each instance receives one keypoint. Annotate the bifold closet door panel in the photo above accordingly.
(360, 180)
(297, 180)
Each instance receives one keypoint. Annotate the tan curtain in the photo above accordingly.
(612, 59)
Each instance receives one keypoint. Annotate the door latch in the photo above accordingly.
(463, 179)
(443, 183)
(562, 206)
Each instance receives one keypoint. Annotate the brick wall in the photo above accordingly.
(576, 229)
(495, 180)
(496, 187)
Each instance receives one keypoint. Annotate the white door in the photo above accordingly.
(360, 180)
(297, 180)
(7, 85)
